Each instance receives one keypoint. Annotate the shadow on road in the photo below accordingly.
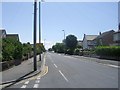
(19, 79)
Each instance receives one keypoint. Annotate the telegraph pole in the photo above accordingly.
(35, 29)
(40, 27)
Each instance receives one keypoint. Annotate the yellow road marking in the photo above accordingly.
(41, 74)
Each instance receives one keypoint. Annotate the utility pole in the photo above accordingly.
(35, 29)
(64, 40)
(40, 27)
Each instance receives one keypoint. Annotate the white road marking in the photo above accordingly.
(55, 65)
(68, 57)
(38, 78)
(24, 86)
(63, 75)
(26, 82)
(37, 81)
(35, 85)
(112, 65)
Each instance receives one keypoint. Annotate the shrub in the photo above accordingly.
(7, 49)
(77, 51)
(18, 51)
(108, 51)
(11, 49)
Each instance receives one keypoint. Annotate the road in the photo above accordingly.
(68, 72)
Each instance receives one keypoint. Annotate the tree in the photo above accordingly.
(50, 49)
(58, 47)
(27, 50)
(54, 48)
(40, 48)
(71, 43)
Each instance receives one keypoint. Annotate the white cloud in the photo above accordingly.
(48, 44)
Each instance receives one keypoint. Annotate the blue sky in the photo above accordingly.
(77, 18)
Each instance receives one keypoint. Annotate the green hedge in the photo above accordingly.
(108, 51)
(11, 49)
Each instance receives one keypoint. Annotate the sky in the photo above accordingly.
(77, 18)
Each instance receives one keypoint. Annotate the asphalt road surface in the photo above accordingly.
(68, 72)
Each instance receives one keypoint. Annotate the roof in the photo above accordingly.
(117, 32)
(13, 36)
(80, 41)
(106, 33)
(90, 37)
(2, 30)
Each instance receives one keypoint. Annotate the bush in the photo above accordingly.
(77, 51)
(18, 51)
(27, 49)
(69, 51)
(11, 49)
(7, 49)
(108, 51)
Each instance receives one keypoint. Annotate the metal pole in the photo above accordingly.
(64, 40)
(35, 29)
(39, 27)
(64, 34)
(44, 42)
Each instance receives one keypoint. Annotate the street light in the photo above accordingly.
(44, 42)
(64, 34)
(64, 40)
(40, 25)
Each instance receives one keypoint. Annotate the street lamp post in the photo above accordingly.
(64, 40)
(35, 29)
(64, 34)
(44, 42)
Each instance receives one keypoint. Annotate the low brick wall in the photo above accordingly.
(5, 65)
(110, 58)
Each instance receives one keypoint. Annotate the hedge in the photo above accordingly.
(108, 51)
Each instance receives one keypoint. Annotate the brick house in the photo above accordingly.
(2, 33)
(116, 38)
(105, 38)
(14, 36)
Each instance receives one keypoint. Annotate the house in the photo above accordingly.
(116, 38)
(15, 36)
(2, 33)
(80, 42)
(88, 41)
(105, 38)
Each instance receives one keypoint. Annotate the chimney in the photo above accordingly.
(84, 34)
(100, 33)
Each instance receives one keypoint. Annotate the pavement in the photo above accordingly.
(21, 72)
(66, 71)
